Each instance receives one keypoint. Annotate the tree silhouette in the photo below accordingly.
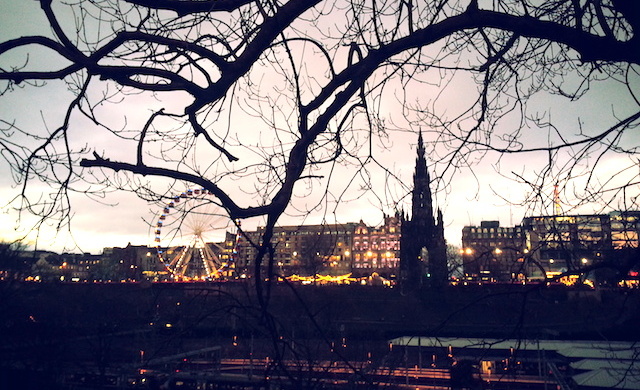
(314, 86)
(13, 262)
(255, 101)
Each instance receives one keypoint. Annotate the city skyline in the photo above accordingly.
(476, 187)
(351, 141)
(594, 250)
(106, 222)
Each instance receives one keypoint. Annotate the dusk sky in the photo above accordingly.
(466, 195)
(140, 138)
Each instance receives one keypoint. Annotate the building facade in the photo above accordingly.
(491, 252)
(558, 244)
(302, 250)
(625, 229)
(377, 250)
(133, 262)
(544, 247)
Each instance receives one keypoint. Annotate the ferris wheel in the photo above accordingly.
(194, 238)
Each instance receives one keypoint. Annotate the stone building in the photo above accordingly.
(303, 250)
(547, 246)
(491, 252)
(331, 249)
(377, 249)
(423, 253)
(133, 262)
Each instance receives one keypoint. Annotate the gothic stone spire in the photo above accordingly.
(423, 250)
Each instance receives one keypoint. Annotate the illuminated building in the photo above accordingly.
(377, 249)
(625, 226)
(491, 252)
(133, 262)
(423, 255)
(304, 249)
(557, 244)
(331, 249)
(548, 246)
(66, 267)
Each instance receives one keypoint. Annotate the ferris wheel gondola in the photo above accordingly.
(186, 232)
